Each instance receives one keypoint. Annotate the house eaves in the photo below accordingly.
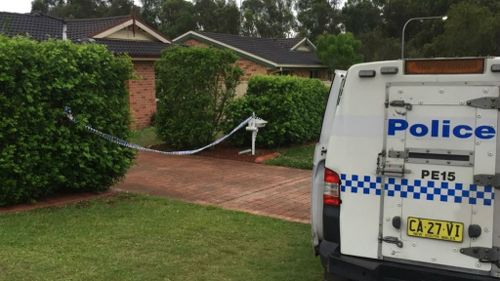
(305, 40)
(132, 21)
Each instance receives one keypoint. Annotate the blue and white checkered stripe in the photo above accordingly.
(419, 189)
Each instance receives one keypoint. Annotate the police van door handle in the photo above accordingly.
(401, 103)
(391, 240)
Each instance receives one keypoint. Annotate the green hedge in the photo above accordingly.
(293, 107)
(194, 85)
(41, 152)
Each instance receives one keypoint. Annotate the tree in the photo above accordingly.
(474, 30)
(217, 16)
(316, 17)
(150, 11)
(267, 18)
(118, 7)
(41, 6)
(83, 8)
(176, 17)
(354, 10)
(194, 86)
(376, 46)
(470, 30)
(338, 51)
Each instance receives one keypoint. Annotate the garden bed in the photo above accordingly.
(224, 152)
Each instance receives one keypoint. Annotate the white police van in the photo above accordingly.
(406, 169)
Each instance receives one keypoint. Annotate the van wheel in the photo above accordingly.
(333, 277)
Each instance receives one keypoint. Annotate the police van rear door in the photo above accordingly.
(439, 138)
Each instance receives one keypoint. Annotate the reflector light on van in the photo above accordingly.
(445, 66)
(331, 192)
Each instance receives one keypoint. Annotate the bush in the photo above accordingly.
(41, 152)
(193, 88)
(293, 107)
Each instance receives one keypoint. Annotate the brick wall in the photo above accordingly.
(250, 68)
(322, 73)
(142, 95)
(192, 42)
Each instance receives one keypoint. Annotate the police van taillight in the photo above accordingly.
(331, 191)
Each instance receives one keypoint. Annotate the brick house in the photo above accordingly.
(263, 56)
(121, 35)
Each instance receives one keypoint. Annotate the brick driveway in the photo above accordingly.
(259, 189)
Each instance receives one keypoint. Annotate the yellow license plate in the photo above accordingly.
(435, 229)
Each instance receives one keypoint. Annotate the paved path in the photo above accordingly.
(258, 189)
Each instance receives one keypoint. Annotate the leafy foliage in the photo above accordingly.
(83, 8)
(339, 51)
(293, 106)
(217, 16)
(376, 46)
(267, 18)
(471, 30)
(317, 17)
(354, 10)
(194, 87)
(41, 152)
(176, 17)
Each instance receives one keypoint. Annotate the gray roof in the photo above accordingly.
(86, 28)
(36, 26)
(43, 27)
(134, 48)
(276, 50)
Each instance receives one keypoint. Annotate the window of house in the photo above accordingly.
(314, 74)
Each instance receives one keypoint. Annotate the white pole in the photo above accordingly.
(254, 137)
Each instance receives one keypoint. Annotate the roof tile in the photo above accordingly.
(43, 27)
(277, 50)
(38, 27)
(86, 28)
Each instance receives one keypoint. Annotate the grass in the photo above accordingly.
(135, 237)
(145, 137)
(300, 157)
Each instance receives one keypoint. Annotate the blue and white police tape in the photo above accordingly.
(124, 143)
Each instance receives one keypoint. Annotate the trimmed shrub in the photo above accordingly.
(194, 85)
(41, 151)
(293, 107)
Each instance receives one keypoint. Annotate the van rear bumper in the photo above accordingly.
(374, 270)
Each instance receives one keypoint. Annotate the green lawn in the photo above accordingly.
(133, 237)
(300, 157)
(145, 137)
